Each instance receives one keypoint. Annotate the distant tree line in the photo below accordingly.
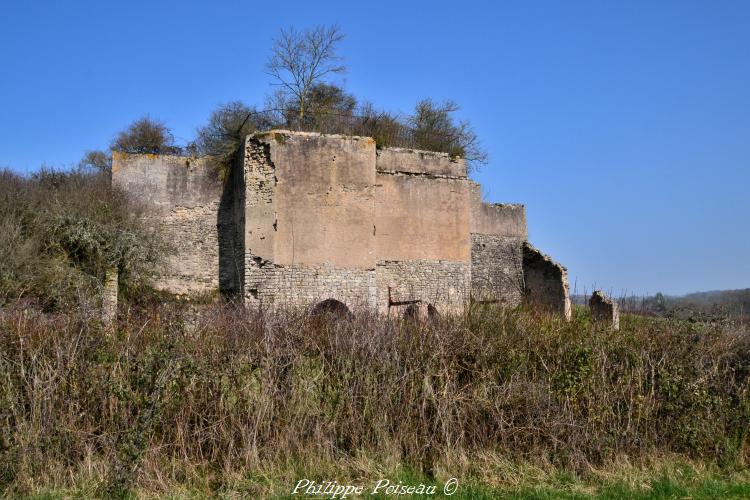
(722, 305)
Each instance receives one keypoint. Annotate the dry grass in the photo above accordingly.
(234, 400)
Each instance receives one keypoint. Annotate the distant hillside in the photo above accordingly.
(720, 296)
(711, 305)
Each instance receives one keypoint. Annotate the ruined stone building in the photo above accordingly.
(301, 217)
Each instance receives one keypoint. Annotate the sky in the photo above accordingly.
(624, 127)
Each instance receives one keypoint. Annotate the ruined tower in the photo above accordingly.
(303, 217)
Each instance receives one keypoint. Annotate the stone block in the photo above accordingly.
(604, 310)
(109, 296)
(414, 161)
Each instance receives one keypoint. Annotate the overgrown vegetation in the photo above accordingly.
(226, 130)
(305, 99)
(144, 136)
(332, 110)
(175, 397)
(301, 64)
(60, 232)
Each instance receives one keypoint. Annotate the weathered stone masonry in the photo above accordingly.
(604, 309)
(303, 217)
(180, 197)
(545, 282)
(498, 232)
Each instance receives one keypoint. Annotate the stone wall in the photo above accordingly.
(309, 219)
(604, 310)
(259, 212)
(422, 230)
(497, 269)
(274, 285)
(546, 283)
(318, 215)
(498, 231)
(421, 218)
(444, 284)
(324, 198)
(261, 219)
(413, 161)
(304, 217)
(182, 197)
(501, 219)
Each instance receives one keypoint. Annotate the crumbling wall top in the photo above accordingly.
(500, 219)
(415, 161)
(280, 135)
(164, 182)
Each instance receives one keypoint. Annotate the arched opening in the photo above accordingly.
(411, 313)
(432, 312)
(330, 309)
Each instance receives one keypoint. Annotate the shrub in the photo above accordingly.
(226, 130)
(387, 129)
(61, 231)
(146, 135)
(435, 129)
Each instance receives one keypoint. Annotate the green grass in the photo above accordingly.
(672, 478)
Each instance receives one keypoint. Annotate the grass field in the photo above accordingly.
(217, 401)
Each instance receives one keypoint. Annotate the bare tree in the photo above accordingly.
(299, 61)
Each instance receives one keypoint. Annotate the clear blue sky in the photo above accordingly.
(623, 126)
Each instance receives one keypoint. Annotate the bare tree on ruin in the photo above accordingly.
(301, 60)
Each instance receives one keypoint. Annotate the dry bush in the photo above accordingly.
(61, 231)
(225, 132)
(223, 391)
(146, 135)
(387, 129)
(435, 129)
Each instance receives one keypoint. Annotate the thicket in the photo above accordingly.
(431, 127)
(173, 395)
(61, 230)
